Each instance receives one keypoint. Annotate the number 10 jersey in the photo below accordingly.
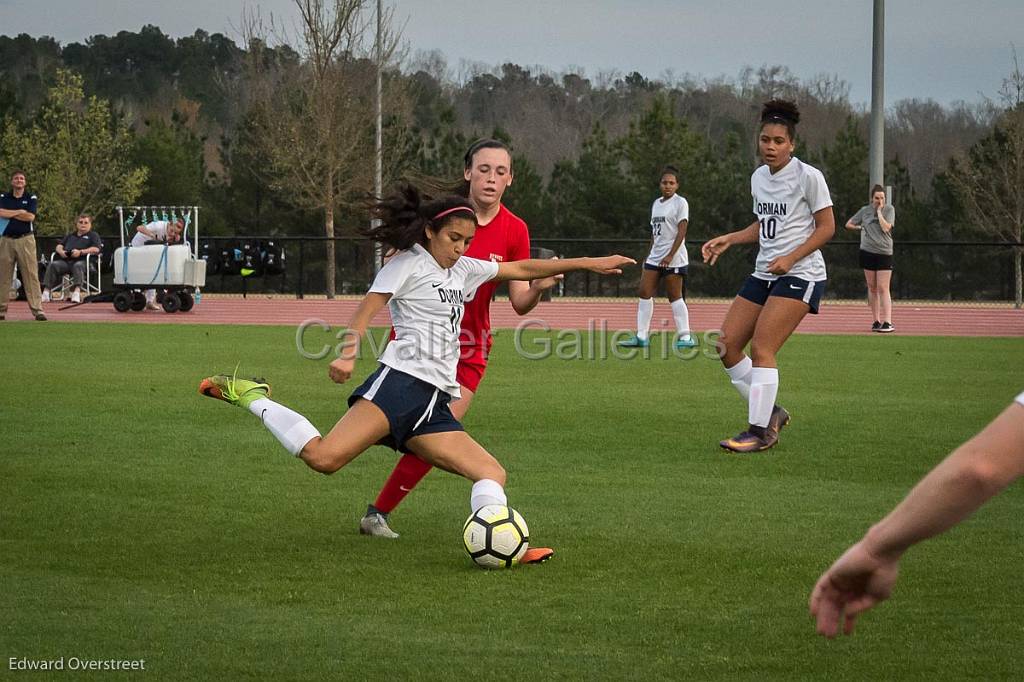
(785, 204)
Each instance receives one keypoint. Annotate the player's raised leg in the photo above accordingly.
(290, 428)
(362, 426)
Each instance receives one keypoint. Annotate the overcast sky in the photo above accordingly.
(939, 49)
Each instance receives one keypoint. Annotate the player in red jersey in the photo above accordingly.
(501, 236)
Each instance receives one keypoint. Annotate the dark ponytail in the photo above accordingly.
(782, 112)
(406, 214)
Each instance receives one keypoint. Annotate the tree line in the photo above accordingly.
(274, 136)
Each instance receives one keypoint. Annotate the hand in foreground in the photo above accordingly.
(341, 369)
(713, 248)
(853, 584)
(610, 265)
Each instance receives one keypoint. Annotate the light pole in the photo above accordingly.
(876, 153)
(378, 180)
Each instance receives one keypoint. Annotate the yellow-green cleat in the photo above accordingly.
(235, 391)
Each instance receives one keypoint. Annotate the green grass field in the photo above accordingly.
(140, 521)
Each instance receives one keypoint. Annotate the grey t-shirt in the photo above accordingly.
(872, 238)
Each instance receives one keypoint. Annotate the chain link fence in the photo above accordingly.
(976, 272)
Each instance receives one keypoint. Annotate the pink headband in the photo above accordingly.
(451, 210)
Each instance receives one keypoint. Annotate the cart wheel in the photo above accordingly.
(122, 301)
(138, 301)
(171, 302)
(186, 301)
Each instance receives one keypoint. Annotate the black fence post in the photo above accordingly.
(302, 261)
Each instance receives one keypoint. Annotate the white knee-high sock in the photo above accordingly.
(486, 491)
(644, 313)
(764, 387)
(682, 316)
(739, 374)
(288, 426)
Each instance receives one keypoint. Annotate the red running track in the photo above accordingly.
(835, 318)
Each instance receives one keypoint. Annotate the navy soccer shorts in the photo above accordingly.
(757, 290)
(413, 407)
(681, 270)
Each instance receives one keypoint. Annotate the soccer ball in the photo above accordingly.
(496, 536)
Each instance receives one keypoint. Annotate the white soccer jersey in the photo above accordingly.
(426, 307)
(1020, 399)
(665, 218)
(784, 204)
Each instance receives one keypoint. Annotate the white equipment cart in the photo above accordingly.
(175, 271)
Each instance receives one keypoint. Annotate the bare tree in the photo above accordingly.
(313, 118)
(989, 179)
(924, 135)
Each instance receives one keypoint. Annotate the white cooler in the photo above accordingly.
(145, 266)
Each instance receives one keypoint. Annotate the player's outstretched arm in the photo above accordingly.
(524, 296)
(342, 367)
(866, 573)
(538, 268)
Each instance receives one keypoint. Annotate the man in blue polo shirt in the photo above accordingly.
(18, 245)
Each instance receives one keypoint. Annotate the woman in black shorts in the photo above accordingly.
(875, 223)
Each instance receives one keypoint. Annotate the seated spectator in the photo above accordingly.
(71, 257)
(169, 231)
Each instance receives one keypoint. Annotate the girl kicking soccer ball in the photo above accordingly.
(404, 403)
(794, 220)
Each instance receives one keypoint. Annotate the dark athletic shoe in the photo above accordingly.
(780, 417)
(754, 439)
